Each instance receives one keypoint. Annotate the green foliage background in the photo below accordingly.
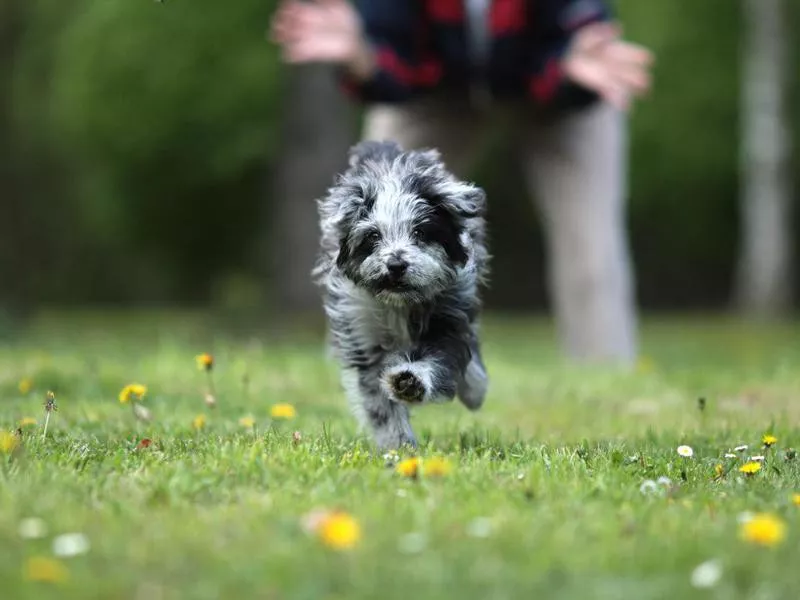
(143, 136)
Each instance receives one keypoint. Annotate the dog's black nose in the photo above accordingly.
(396, 266)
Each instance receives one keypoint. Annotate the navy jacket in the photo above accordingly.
(422, 45)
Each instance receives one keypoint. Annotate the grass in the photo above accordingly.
(543, 500)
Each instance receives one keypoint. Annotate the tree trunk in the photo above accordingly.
(317, 131)
(764, 286)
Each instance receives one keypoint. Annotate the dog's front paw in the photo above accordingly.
(406, 387)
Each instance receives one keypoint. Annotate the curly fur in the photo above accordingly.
(403, 254)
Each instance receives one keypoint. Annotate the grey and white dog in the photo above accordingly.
(403, 254)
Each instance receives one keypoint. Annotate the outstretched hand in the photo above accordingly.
(601, 61)
(318, 31)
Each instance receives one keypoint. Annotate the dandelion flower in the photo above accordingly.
(205, 362)
(8, 442)
(25, 385)
(25, 421)
(339, 530)
(42, 568)
(718, 470)
(707, 574)
(437, 466)
(763, 529)
(750, 468)
(686, 451)
(408, 467)
(247, 422)
(132, 391)
(796, 499)
(648, 486)
(199, 421)
(768, 440)
(70, 544)
(282, 411)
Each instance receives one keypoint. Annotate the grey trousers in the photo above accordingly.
(576, 169)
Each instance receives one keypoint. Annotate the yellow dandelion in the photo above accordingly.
(408, 467)
(339, 530)
(763, 529)
(205, 362)
(282, 411)
(750, 468)
(8, 442)
(25, 421)
(796, 499)
(436, 466)
(768, 440)
(718, 470)
(247, 422)
(42, 568)
(132, 391)
(199, 421)
(25, 385)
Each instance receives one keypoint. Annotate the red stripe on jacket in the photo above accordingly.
(427, 73)
(544, 86)
(506, 17)
(445, 11)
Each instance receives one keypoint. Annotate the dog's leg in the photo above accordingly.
(388, 422)
(472, 385)
(430, 372)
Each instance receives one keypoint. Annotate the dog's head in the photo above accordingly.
(401, 221)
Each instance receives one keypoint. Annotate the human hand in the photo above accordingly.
(320, 31)
(600, 61)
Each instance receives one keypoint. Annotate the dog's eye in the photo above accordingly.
(372, 237)
(420, 233)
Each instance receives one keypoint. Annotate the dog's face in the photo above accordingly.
(400, 219)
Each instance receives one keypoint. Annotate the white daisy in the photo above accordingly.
(707, 574)
(741, 448)
(756, 458)
(729, 455)
(686, 451)
(663, 480)
(70, 544)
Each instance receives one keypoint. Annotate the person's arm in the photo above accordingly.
(373, 42)
(578, 54)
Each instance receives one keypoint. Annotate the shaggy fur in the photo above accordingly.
(402, 256)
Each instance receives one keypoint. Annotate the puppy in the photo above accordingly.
(403, 255)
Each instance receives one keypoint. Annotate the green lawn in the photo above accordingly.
(544, 498)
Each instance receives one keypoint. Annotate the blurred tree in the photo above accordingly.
(317, 130)
(765, 270)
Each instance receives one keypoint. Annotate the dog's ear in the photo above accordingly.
(374, 150)
(469, 202)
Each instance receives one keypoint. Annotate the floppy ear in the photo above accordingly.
(374, 150)
(469, 202)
